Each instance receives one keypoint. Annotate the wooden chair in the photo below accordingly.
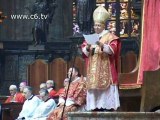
(10, 111)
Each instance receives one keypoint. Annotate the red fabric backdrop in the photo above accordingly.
(150, 44)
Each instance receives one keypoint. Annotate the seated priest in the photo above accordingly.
(50, 88)
(22, 85)
(30, 104)
(43, 86)
(65, 84)
(76, 97)
(46, 106)
(14, 95)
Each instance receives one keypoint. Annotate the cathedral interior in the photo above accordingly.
(35, 50)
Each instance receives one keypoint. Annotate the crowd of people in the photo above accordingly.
(97, 92)
(43, 106)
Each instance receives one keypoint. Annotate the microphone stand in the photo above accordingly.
(0, 111)
(75, 49)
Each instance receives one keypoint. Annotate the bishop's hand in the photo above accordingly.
(100, 44)
(88, 47)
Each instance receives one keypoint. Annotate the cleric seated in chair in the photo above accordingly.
(46, 106)
(14, 95)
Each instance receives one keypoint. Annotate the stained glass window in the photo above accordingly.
(124, 22)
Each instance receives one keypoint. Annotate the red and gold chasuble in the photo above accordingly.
(101, 69)
(77, 92)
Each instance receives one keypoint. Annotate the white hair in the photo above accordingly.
(43, 85)
(13, 87)
(50, 82)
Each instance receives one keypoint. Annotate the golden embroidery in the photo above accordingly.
(99, 72)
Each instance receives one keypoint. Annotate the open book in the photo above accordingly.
(91, 38)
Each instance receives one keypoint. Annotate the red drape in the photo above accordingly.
(150, 44)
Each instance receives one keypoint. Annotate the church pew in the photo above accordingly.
(129, 71)
(10, 111)
(130, 92)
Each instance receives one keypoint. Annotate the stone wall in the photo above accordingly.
(21, 29)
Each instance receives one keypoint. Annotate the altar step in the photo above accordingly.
(113, 116)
